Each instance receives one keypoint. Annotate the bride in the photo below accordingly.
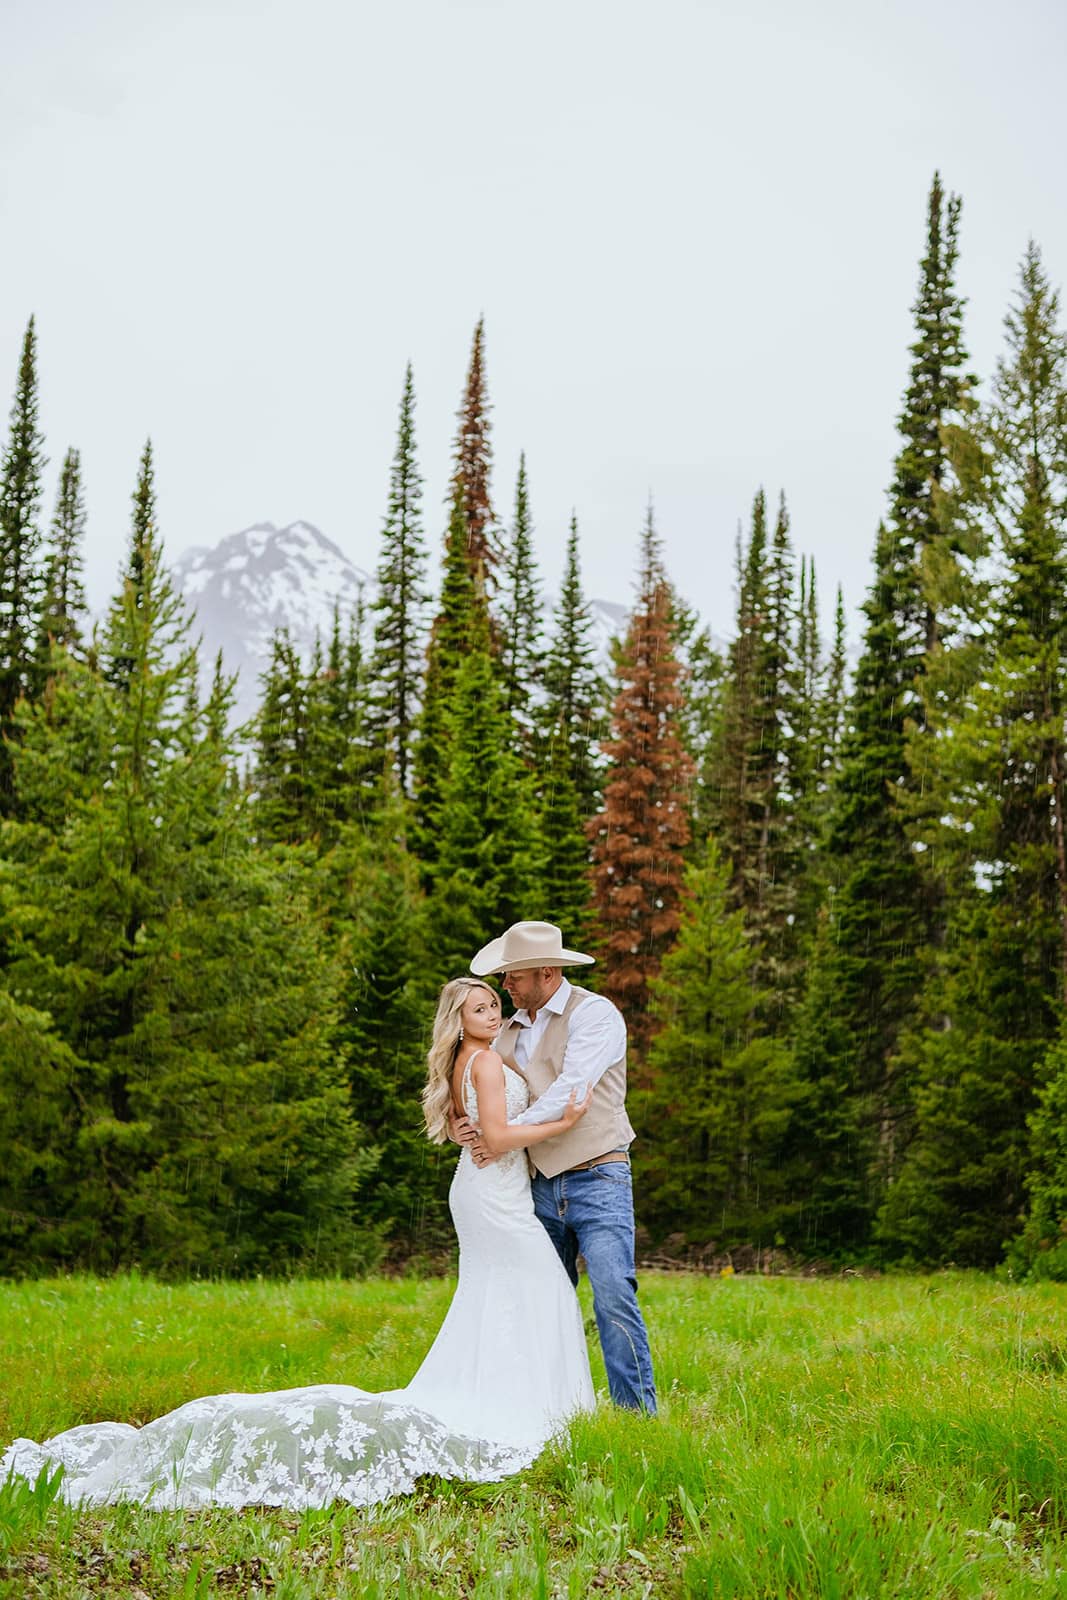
(507, 1369)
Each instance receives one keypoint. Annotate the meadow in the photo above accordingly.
(838, 1437)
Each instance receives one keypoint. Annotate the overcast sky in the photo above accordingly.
(693, 230)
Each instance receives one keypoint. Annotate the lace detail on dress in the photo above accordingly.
(506, 1371)
(516, 1099)
(300, 1448)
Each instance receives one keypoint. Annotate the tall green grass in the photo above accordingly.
(836, 1438)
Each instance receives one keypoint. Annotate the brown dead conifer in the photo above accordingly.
(641, 832)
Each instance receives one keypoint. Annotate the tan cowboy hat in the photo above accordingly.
(526, 945)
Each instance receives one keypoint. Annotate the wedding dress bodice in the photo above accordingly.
(507, 1369)
(516, 1093)
(516, 1099)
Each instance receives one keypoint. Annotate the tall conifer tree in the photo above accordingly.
(143, 561)
(397, 659)
(831, 717)
(772, 917)
(737, 764)
(21, 577)
(281, 775)
(805, 754)
(377, 916)
(341, 762)
(519, 614)
(995, 821)
(565, 877)
(921, 506)
(472, 469)
(866, 967)
(712, 1125)
(486, 871)
(574, 705)
(570, 716)
(640, 835)
(884, 907)
(64, 607)
(752, 804)
(705, 669)
(814, 753)
(462, 616)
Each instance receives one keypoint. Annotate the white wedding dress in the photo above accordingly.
(507, 1369)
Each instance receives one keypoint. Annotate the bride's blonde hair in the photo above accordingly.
(441, 1056)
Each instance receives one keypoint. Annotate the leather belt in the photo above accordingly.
(598, 1161)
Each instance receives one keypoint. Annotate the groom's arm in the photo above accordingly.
(597, 1038)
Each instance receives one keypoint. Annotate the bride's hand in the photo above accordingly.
(575, 1109)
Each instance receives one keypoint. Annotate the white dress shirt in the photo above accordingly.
(597, 1038)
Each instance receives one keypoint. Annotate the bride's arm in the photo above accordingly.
(498, 1134)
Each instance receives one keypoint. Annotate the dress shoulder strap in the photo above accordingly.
(471, 1059)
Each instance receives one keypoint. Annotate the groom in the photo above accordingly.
(561, 1038)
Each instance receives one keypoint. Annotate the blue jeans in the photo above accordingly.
(591, 1214)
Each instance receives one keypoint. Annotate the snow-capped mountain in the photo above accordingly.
(261, 579)
(264, 578)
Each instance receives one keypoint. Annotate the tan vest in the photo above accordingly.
(605, 1125)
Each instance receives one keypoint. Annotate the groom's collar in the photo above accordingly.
(556, 1003)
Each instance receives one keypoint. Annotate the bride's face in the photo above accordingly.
(480, 1015)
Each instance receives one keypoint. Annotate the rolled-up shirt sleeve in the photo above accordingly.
(597, 1039)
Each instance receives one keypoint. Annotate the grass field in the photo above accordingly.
(843, 1437)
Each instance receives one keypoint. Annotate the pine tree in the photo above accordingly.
(940, 541)
(641, 833)
(462, 616)
(340, 762)
(21, 578)
(217, 710)
(702, 716)
(831, 718)
(566, 885)
(185, 971)
(737, 765)
(935, 402)
(805, 751)
(995, 804)
(805, 757)
(752, 803)
(832, 1146)
(487, 867)
(64, 608)
(574, 692)
(867, 966)
(472, 470)
(814, 757)
(125, 617)
(397, 658)
(281, 776)
(712, 1126)
(379, 919)
(885, 912)
(38, 1129)
(519, 618)
(1041, 1248)
(704, 668)
(772, 917)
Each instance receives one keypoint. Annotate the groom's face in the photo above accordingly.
(530, 989)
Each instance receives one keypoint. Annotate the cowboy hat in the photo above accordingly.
(526, 945)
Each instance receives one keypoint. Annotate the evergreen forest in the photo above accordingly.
(825, 879)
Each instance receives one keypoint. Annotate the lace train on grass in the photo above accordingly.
(508, 1368)
(296, 1448)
